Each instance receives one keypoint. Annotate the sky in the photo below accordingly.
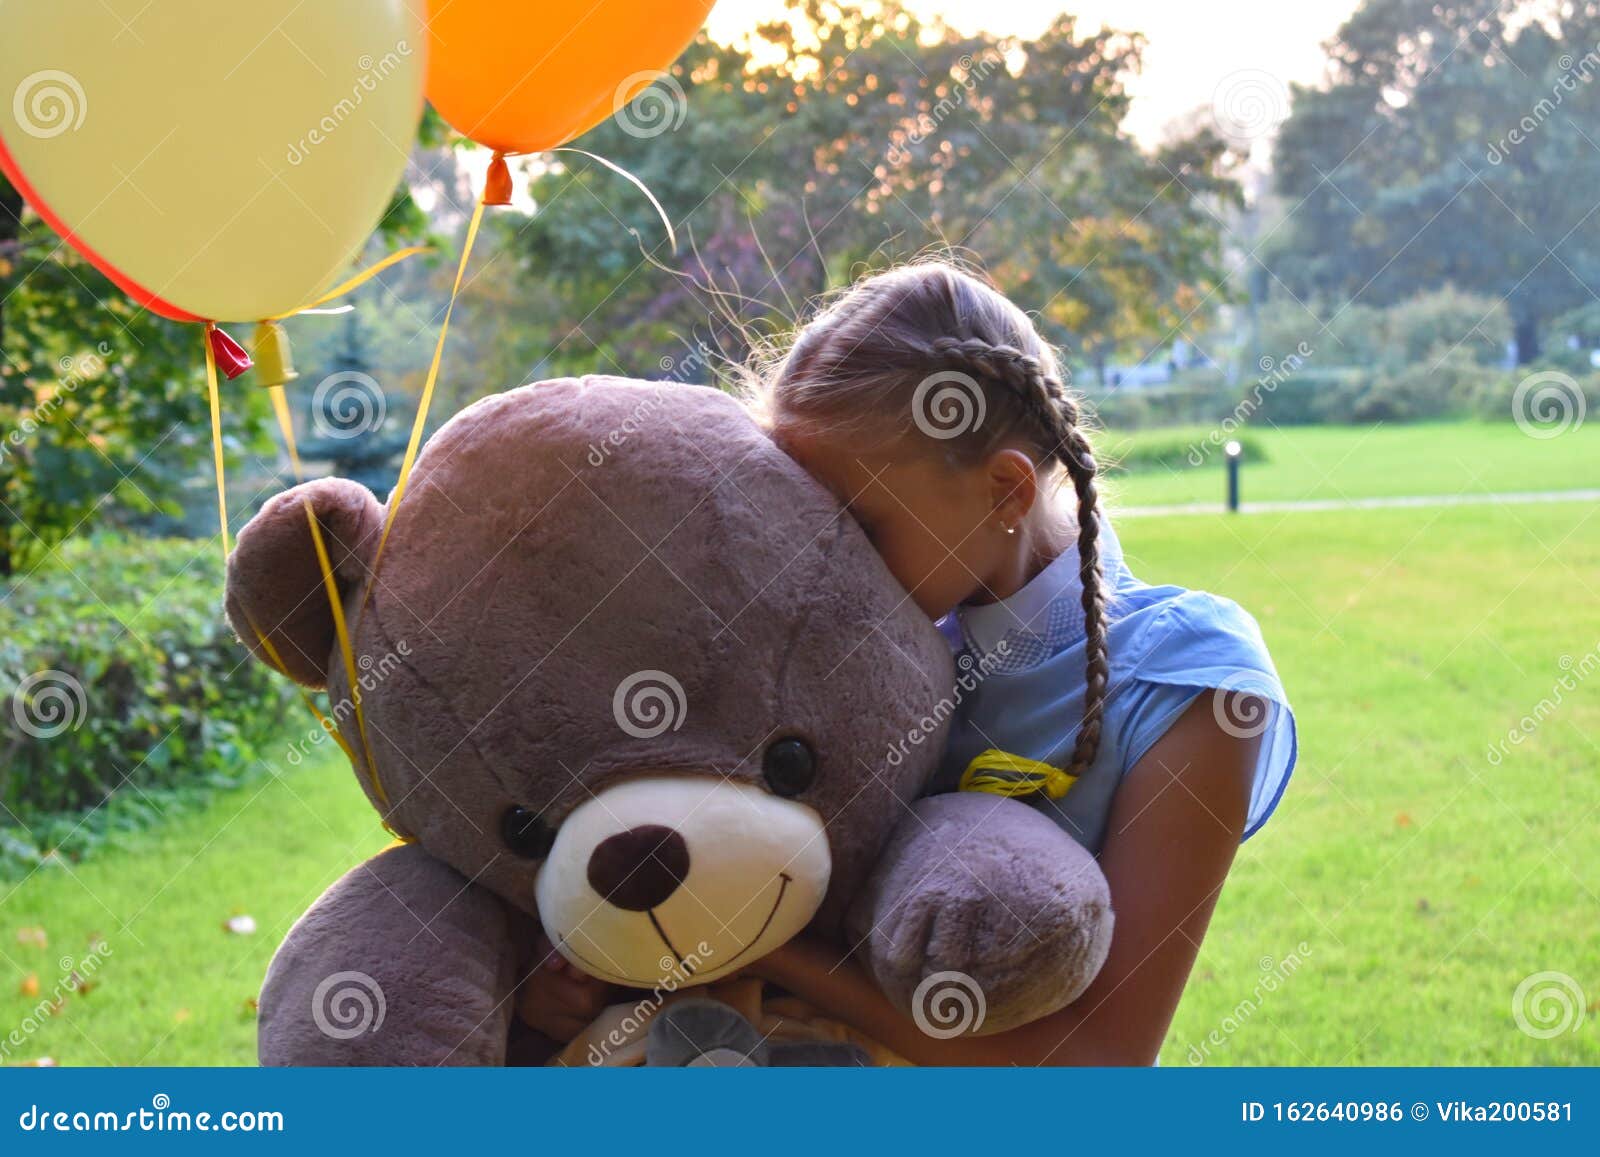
(1241, 54)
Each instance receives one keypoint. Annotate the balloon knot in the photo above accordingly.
(497, 186)
(231, 357)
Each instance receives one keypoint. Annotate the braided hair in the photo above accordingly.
(875, 350)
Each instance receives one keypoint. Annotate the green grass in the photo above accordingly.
(173, 987)
(1424, 882)
(1336, 462)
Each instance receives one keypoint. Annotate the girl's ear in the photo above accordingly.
(275, 581)
(1013, 484)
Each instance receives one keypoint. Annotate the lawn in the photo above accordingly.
(1339, 462)
(1408, 884)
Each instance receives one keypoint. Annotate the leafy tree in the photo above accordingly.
(845, 139)
(1448, 149)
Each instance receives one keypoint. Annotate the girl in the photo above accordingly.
(931, 406)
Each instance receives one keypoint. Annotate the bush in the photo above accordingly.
(122, 679)
(1180, 451)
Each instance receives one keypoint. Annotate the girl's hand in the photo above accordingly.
(559, 999)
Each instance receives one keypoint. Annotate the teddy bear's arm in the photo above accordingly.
(401, 962)
(994, 894)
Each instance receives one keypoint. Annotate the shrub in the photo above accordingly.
(121, 679)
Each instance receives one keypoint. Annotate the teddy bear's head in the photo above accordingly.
(624, 664)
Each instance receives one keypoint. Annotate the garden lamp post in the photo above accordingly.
(1235, 452)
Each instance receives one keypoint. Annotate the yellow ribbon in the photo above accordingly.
(347, 651)
(426, 400)
(216, 440)
(997, 772)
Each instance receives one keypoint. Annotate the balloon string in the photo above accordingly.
(280, 406)
(357, 281)
(216, 440)
(421, 422)
(672, 236)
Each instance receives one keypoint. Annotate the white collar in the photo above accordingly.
(1046, 614)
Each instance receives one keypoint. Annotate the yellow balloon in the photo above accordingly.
(221, 160)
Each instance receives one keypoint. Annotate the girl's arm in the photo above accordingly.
(1175, 825)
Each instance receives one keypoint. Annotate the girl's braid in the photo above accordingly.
(1052, 410)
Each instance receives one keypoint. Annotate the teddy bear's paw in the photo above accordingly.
(703, 1033)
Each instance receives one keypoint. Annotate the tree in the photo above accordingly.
(1448, 150)
(845, 139)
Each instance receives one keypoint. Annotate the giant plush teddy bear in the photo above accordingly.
(626, 671)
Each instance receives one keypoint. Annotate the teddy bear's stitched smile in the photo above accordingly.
(784, 880)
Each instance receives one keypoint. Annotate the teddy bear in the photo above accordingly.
(618, 669)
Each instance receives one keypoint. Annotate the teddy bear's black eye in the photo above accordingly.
(789, 766)
(526, 833)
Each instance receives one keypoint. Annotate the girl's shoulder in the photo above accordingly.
(1177, 645)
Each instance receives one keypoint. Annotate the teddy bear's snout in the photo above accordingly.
(639, 869)
(681, 879)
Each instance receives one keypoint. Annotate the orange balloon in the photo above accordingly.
(527, 76)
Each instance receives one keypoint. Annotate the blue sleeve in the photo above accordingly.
(1196, 644)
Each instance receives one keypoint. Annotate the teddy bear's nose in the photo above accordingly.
(638, 869)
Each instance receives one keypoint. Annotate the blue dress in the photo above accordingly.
(1020, 671)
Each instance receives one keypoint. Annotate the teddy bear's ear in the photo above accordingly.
(276, 588)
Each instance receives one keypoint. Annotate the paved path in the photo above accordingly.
(1508, 498)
